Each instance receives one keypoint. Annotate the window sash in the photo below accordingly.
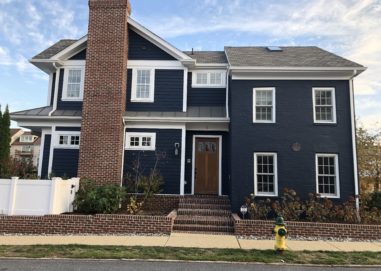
(327, 175)
(264, 105)
(265, 174)
(143, 81)
(208, 79)
(68, 141)
(324, 105)
(140, 141)
(73, 83)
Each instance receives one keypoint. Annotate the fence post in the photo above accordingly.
(12, 195)
(53, 192)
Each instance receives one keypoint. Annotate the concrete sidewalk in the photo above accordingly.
(186, 240)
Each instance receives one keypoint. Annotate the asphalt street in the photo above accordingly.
(113, 265)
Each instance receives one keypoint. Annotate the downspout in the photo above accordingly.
(354, 146)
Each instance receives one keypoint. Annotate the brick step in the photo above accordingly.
(204, 220)
(205, 200)
(203, 228)
(204, 206)
(203, 212)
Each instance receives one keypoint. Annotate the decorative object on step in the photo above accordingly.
(243, 210)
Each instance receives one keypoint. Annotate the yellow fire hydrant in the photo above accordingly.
(280, 234)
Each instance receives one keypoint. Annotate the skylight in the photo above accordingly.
(274, 49)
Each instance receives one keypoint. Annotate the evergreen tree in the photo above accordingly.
(6, 135)
(1, 137)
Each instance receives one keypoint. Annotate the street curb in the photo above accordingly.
(187, 261)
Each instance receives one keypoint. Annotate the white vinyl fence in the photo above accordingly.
(37, 197)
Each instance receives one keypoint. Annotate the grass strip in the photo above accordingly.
(191, 254)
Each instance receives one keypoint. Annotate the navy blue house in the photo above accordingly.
(245, 120)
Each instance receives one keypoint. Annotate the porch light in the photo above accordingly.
(177, 148)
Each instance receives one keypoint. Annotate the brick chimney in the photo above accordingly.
(104, 100)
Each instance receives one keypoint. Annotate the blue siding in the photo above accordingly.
(168, 92)
(169, 166)
(45, 157)
(53, 88)
(141, 49)
(79, 56)
(65, 162)
(205, 96)
(65, 105)
(224, 160)
(294, 123)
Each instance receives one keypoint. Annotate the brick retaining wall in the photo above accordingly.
(87, 224)
(263, 228)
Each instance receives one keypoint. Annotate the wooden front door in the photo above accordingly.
(206, 172)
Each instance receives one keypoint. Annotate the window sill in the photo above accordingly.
(265, 195)
(208, 86)
(142, 101)
(72, 99)
(328, 196)
(325, 123)
(67, 147)
(138, 149)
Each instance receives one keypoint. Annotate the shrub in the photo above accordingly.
(104, 199)
(374, 200)
(23, 169)
(316, 209)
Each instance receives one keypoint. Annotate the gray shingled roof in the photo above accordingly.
(208, 56)
(289, 57)
(54, 49)
(192, 112)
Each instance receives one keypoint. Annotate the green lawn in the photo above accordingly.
(190, 254)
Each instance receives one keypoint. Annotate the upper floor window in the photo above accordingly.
(208, 79)
(324, 105)
(26, 148)
(73, 84)
(68, 140)
(265, 174)
(140, 141)
(143, 85)
(26, 138)
(327, 175)
(264, 105)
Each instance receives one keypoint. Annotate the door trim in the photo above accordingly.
(219, 160)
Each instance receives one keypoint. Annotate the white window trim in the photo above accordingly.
(256, 193)
(208, 85)
(333, 121)
(57, 144)
(273, 112)
(333, 196)
(22, 137)
(151, 98)
(140, 147)
(65, 82)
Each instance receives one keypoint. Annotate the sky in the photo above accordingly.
(351, 29)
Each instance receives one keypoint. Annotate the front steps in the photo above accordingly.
(204, 213)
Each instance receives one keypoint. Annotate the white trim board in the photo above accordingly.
(219, 160)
